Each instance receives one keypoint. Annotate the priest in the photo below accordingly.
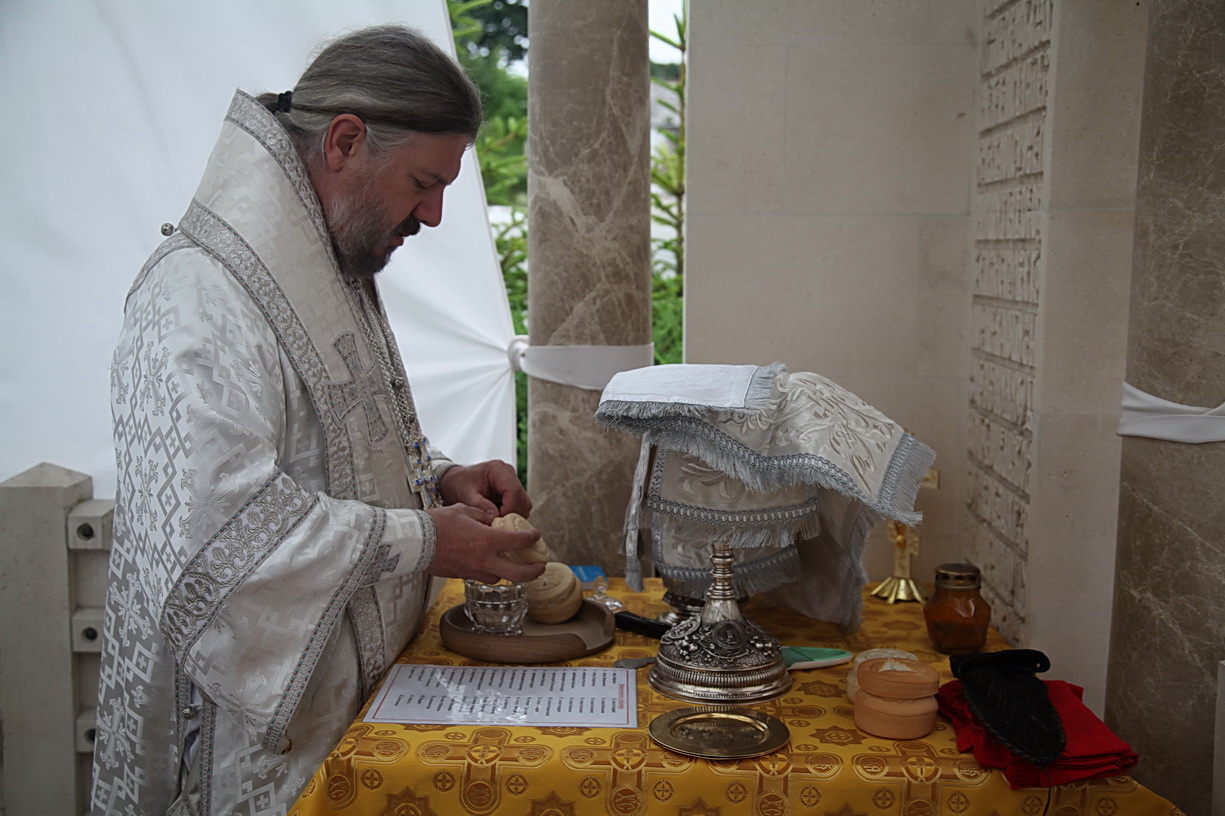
(279, 511)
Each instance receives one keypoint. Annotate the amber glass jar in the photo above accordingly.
(957, 616)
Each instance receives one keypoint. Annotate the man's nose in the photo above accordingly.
(429, 210)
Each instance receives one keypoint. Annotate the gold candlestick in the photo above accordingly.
(900, 586)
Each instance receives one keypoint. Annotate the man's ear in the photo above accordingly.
(345, 139)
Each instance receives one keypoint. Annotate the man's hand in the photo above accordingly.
(491, 487)
(467, 547)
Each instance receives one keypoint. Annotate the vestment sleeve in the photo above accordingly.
(252, 568)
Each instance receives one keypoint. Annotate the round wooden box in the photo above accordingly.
(895, 719)
(896, 698)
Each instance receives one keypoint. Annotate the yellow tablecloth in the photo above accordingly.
(828, 767)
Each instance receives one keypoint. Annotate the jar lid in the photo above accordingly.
(958, 576)
(897, 677)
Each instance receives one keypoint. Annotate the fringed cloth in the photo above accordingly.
(791, 469)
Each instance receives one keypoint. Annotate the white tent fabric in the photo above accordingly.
(113, 108)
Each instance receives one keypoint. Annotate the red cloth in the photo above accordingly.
(1092, 749)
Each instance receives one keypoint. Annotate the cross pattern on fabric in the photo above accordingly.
(1106, 798)
(625, 764)
(914, 773)
(767, 782)
(361, 745)
(361, 389)
(484, 761)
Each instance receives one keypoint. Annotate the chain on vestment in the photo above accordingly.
(382, 345)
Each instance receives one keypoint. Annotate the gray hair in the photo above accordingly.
(393, 78)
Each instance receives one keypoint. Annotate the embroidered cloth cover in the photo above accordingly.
(763, 459)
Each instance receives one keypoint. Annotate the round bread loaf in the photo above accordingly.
(554, 597)
(536, 554)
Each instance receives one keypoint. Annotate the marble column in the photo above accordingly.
(589, 277)
(1169, 631)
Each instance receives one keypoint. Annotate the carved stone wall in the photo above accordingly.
(1054, 195)
(1009, 199)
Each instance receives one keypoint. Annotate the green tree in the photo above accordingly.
(493, 27)
(490, 43)
(668, 207)
(491, 38)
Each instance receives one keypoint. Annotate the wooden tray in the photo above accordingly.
(589, 631)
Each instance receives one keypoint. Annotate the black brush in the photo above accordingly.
(1011, 703)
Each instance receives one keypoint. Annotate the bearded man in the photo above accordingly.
(279, 512)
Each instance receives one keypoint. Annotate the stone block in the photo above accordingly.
(1007, 273)
(1004, 331)
(90, 525)
(741, 169)
(876, 129)
(1003, 577)
(1002, 391)
(1011, 31)
(816, 22)
(999, 508)
(1005, 452)
(1011, 151)
(1010, 212)
(1020, 89)
(843, 325)
(40, 741)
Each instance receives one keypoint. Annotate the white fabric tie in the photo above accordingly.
(588, 367)
(1145, 415)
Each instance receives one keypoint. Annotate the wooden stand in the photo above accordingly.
(589, 631)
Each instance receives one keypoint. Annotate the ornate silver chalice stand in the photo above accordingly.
(685, 588)
(719, 655)
(683, 607)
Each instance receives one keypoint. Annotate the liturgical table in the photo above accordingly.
(828, 767)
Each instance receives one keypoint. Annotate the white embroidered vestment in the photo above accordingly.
(269, 544)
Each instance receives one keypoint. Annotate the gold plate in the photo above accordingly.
(719, 732)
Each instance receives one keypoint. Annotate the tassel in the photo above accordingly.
(633, 561)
